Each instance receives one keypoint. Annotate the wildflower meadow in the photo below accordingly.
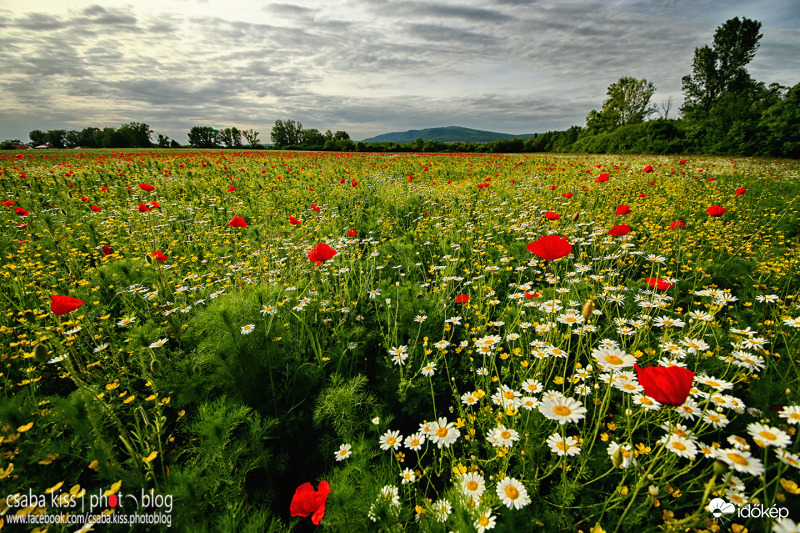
(276, 341)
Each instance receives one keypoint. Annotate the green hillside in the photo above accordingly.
(446, 134)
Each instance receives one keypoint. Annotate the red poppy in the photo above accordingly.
(623, 210)
(307, 501)
(619, 230)
(642, 195)
(103, 188)
(551, 216)
(231, 188)
(154, 205)
(567, 195)
(550, 247)
(683, 161)
(601, 178)
(462, 298)
(9, 202)
(648, 168)
(143, 208)
(658, 283)
(61, 305)
(315, 208)
(159, 256)
(84, 199)
(293, 220)
(482, 185)
(21, 212)
(146, 187)
(552, 187)
(342, 180)
(237, 222)
(107, 250)
(668, 385)
(677, 224)
(352, 233)
(321, 253)
(716, 210)
(531, 295)
(354, 183)
(740, 191)
(96, 208)
(653, 182)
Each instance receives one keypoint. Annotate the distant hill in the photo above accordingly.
(446, 134)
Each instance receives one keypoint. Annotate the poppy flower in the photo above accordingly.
(352, 233)
(668, 385)
(623, 210)
(237, 222)
(9, 202)
(143, 207)
(342, 180)
(96, 208)
(531, 295)
(648, 168)
(567, 195)
(601, 178)
(84, 199)
(293, 220)
(231, 188)
(145, 187)
(315, 208)
(107, 250)
(551, 216)
(462, 298)
(159, 256)
(61, 305)
(307, 501)
(354, 183)
(677, 224)
(642, 195)
(658, 283)
(321, 253)
(619, 230)
(550, 247)
(21, 212)
(154, 205)
(740, 191)
(716, 210)
(103, 188)
(682, 161)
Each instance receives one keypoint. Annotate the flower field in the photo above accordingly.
(418, 342)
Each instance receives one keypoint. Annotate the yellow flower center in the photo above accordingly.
(441, 432)
(390, 441)
(472, 485)
(645, 400)
(563, 446)
(506, 434)
(483, 521)
(767, 435)
(512, 492)
(679, 446)
(414, 442)
(738, 459)
(561, 410)
(508, 395)
(613, 360)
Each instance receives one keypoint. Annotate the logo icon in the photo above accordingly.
(719, 507)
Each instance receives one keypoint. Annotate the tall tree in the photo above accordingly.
(231, 137)
(204, 137)
(720, 70)
(628, 102)
(286, 133)
(251, 136)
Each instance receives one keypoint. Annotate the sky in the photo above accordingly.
(363, 66)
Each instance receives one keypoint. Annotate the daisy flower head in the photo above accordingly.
(158, 344)
(768, 436)
(473, 485)
(502, 437)
(791, 413)
(532, 386)
(485, 521)
(612, 358)
(562, 409)
(343, 453)
(429, 369)
(791, 459)
(469, 398)
(740, 461)
(512, 493)
(127, 321)
(443, 510)
(248, 329)
(561, 446)
(415, 441)
(529, 402)
(407, 476)
(441, 345)
(268, 310)
(681, 446)
(390, 440)
(621, 455)
(443, 433)
(646, 402)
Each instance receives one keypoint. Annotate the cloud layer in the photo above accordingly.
(364, 66)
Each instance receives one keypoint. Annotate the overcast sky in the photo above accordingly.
(364, 66)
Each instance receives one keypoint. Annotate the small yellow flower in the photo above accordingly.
(150, 458)
(26, 427)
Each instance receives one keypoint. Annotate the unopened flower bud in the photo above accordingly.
(720, 467)
(588, 307)
(653, 490)
(616, 458)
(40, 353)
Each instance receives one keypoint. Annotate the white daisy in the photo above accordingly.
(248, 329)
(159, 343)
(390, 439)
(769, 436)
(414, 441)
(343, 453)
(562, 409)
(561, 446)
(443, 433)
(512, 493)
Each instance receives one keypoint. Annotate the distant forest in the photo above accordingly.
(725, 112)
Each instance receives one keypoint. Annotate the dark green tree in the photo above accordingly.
(231, 137)
(135, 135)
(312, 139)
(204, 137)
(251, 136)
(720, 70)
(286, 133)
(37, 137)
(57, 138)
(628, 102)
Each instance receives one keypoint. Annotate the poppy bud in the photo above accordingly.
(588, 307)
(576, 216)
(720, 468)
(155, 366)
(616, 459)
(40, 353)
